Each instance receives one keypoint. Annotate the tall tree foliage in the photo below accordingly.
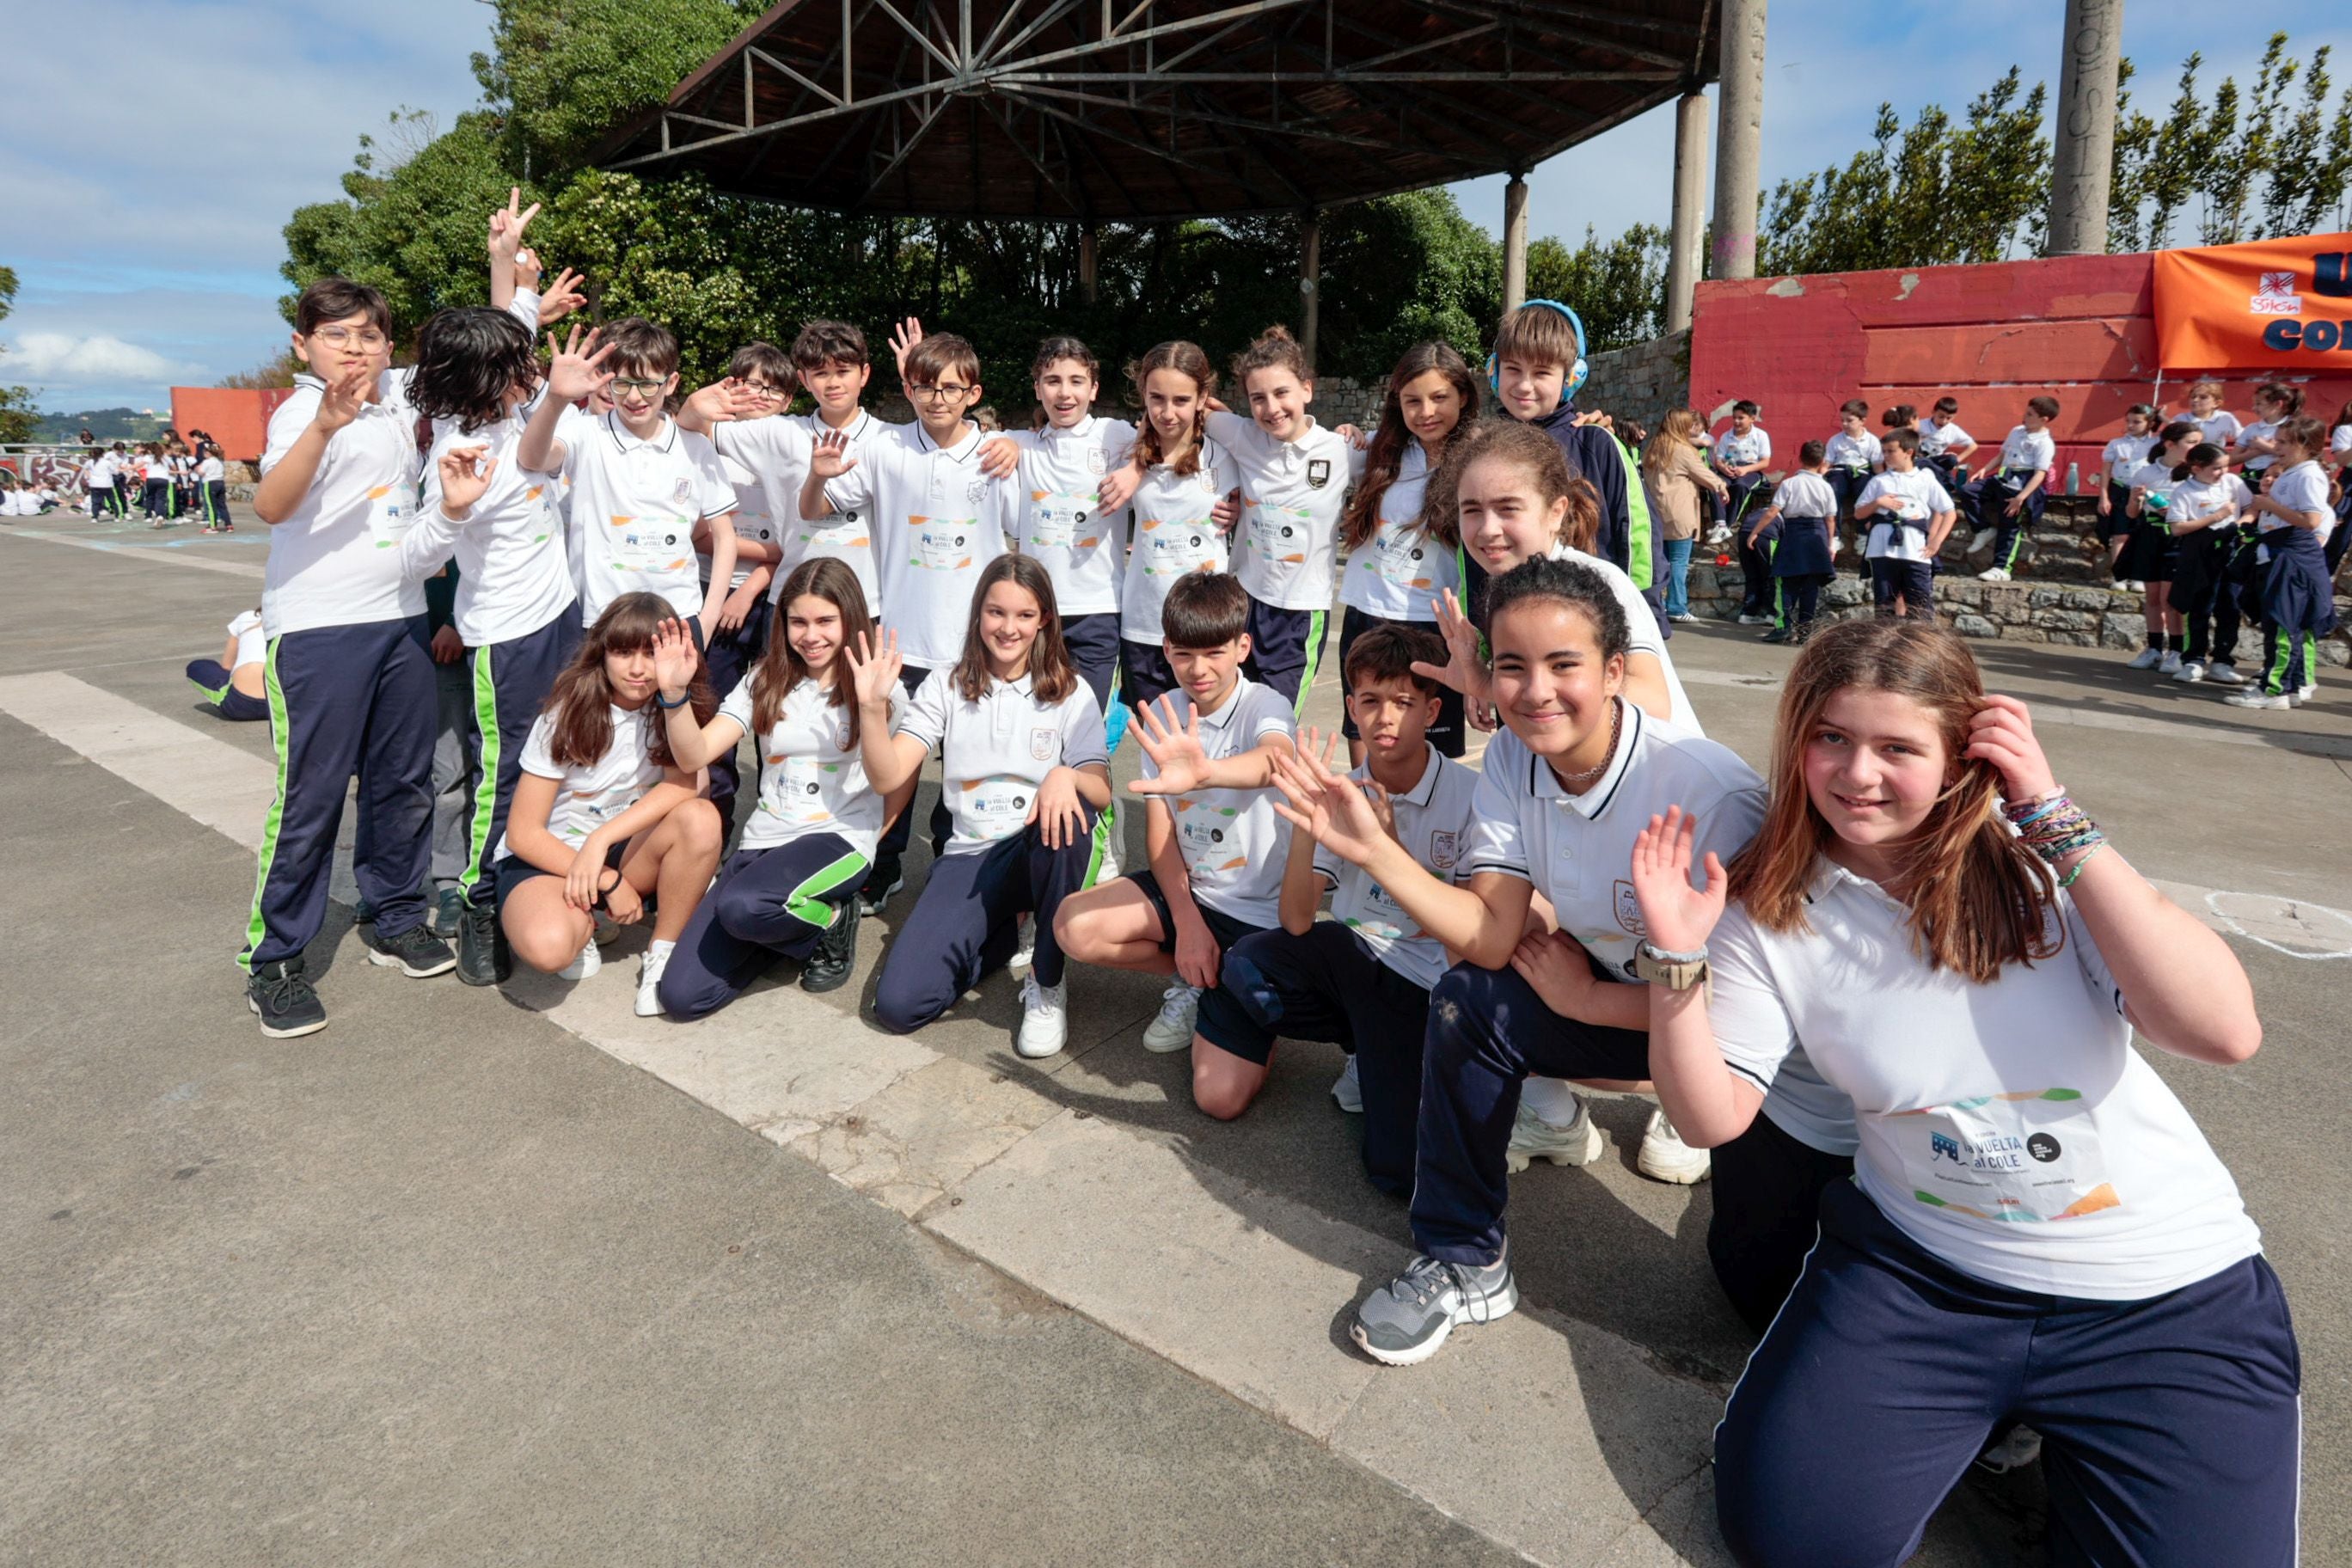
(1617, 287)
(19, 419)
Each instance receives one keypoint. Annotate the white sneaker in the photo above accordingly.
(2170, 663)
(2302, 694)
(1043, 1024)
(649, 974)
(2222, 672)
(1992, 574)
(589, 962)
(2020, 1447)
(1665, 1156)
(1533, 1139)
(2136, 586)
(1027, 950)
(1686, 619)
(2255, 697)
(1755, 620)
(2145, 658)
(2189, 673)
(1348, 1091)
(1180, 1008)
(1983, 539)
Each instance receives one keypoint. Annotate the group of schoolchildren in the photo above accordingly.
(1928, 954)
(168, 480)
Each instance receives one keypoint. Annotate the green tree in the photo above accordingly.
(1618, 288)
(19, 418)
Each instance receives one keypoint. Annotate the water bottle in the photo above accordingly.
(2074, 478)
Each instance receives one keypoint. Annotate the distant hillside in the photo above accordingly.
(105, 424)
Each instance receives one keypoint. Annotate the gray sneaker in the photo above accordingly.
(1404, 1321)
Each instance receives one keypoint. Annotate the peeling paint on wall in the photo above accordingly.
(1910, 281)
(1788, 288)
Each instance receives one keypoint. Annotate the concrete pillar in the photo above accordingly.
(1739, 139)
(1310, 280)
(1515, 242)
(1090, 262)
(2084, 165)
(1683, 260)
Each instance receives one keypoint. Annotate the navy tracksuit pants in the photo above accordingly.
(2171, 1426)
(215, 495)
(1328, 985)
(1287, 650)
(1749, 492)
(966, 924)
(345, 700)
(729, 658)
(1989, 507)
(212, 681)
(769, 903)
(895, 837)
(1768, 1197)
(511, 683)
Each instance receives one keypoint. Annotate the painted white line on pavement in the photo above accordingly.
(196, 774)
(167, 557)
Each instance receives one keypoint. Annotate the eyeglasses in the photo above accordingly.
(343, 337)
(637, 388)
(763, 391)
(937, 394)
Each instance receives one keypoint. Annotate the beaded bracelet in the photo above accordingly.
(2054, 827)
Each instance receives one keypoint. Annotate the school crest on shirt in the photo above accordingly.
(974, 492)
(1043, 741)
(1095, 461)
(682, 492)
(1444, 848)
(1628, 910)
(1318, 473)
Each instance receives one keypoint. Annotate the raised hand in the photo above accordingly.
(1327, 807)
(903, 338)
(527, 268)
(561, 298)
(578, 368)
(1174, 748)
(873, 670)
(1678, 917)
(343, 398)
(2001, 732)
(1466, 667)
(831, 457)
(673, 659)
(464, 473)
(508, 222)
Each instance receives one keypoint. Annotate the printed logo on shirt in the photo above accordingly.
(942, 543)
(1444, 848)
(1628, 910)
(1095, 461)
(974, 492)
(1045, 741)
(682, 491)
(1318, 473)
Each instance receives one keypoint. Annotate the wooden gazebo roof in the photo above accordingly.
(1135, 110)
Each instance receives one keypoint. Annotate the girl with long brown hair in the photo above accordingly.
(2036, 1231)
(1401, 553)
(603, 814)
(1025, 777)
(791, 886)
(1676, 471)
(1183, 517)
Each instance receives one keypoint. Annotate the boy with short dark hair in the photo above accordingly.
(1944, 446)
(2017, 485)
(350, 675)
(1361, 979)
(1215, 842)
(1741, 455)
(1914, 515)
(1854, 455)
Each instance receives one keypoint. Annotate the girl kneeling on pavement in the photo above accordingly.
(791, 887)
(603, 815)
(2036, 1232)
(1025, 778)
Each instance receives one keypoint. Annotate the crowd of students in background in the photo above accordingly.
(168, 481)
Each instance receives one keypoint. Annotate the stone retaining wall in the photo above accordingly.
(1642, 382)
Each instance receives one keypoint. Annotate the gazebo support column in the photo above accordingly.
(1310, 280)
(1515, 242)
(1682, 260)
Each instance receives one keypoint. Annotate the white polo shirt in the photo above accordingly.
(2303, 488)
(2193, 498)
(1642, 634)
(1922, 497)
(1398, 573)
(335, 559)
(2122, 457)
(635, 503)
(1861, 452)
(211, 468)
(998, 751)
(1733, 450)
(586, 798)
(810, 779)
(1935, 439)
(2024, 451)
(1434, 822)
(753, 520)
(514, 571)
(776, 450)
(2009, 1129)
(2260, 430)
(2221, 427)
(1232, 840)
(252, 647)
(1287, 550)
(1173, 534)
(1058, 518)
(938, 522)
(1805, 494)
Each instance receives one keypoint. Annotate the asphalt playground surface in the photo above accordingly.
(516, 1276)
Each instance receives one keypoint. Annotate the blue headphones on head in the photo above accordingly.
(1577, 373)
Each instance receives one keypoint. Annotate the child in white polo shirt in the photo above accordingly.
(212, 489)
(351, 684)
(2257, 446)
(1796, 535)
(1182, 514)
(1910, 515)
(2292, 570)
(1854, 455)
(1215, 844)
(1362, 977)
(1025, 779)
(2008, 501)
(2036, 1232)
(2213, 422)
(2119, 462)
(939, 521)
(235, 685)
(1741, 456)
(640, 485)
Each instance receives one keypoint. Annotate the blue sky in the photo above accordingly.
(144, 215)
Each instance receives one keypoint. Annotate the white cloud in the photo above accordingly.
(56, 356)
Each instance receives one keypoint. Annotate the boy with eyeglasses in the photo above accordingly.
(349, 672)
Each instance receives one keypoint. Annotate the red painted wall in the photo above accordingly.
(2079, 328)
(236, 418)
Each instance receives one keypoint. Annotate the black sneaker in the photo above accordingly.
(363, 913)
(885, 879)
(448, 913)
(280, 995)
(837, 954)
(482, 958)
(416, 952)
(1776, 635)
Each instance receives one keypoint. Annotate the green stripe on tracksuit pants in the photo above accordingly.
(345, 700)
(512, 680)
(768, 903)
